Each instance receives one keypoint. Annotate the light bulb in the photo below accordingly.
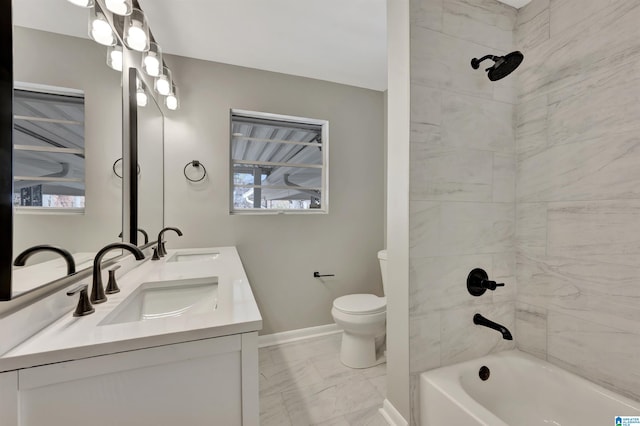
(162, 85)
(141, 98)
(136, 32)
(172, 102)
(136, 37)
(82, 3)
(114, 60)
(152, 65)
(119, 7)
(101, 32)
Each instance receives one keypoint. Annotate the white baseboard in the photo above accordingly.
(391, 415)
(295, 335)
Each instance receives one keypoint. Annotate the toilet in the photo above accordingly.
(362, 318)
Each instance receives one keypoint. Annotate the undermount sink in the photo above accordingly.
(167, 299)
(190, 257)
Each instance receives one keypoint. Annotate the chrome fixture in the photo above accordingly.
(136, 31)
(114, 57)
(22, 257)
(161, 249)
(141, 95)
(480, 320)
(84, 306)
(503, 66)
(164, 82)
(119, 7)
(136, 35)
(172, 101)
(100, 29)
(82, 3)
(97, 289)
(478, 282)
(152, 60)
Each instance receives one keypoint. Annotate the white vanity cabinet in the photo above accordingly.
(203, 382)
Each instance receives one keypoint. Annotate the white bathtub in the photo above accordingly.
(521, 391)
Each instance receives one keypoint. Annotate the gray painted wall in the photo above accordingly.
(578, 192)
(280, 252)
(462, 173)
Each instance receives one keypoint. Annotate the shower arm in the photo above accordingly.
(475, 63)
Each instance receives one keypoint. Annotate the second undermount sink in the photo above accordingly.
(167, 299)
(189, 257)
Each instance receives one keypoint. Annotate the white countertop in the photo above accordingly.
(72, 338)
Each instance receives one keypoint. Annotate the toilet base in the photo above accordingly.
(358, 351)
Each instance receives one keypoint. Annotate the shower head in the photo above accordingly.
(503, 65)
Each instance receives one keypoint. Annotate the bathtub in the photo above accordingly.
(521, 391)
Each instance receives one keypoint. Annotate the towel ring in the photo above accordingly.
(114, 168)
(197, 165)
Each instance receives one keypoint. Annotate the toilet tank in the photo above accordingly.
(382, 257)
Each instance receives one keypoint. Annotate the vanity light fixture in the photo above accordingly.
(82, 3)
(136, 31)
(164, 82)
(114, 57)
(141, 95)
(119, 7)
(99, 29)
(172, 101)
(152, 60)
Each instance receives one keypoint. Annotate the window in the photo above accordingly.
(278, 163)
(48, 148)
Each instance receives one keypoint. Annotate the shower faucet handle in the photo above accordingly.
(478, 282)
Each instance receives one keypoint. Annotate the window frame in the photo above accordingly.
(324, 191)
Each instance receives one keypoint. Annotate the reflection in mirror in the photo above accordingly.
(150, 141)
(64, 155)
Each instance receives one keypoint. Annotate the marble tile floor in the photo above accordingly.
(304, 383)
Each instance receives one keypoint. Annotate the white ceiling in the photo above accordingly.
(343, 41)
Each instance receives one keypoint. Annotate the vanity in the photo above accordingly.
(177, 345)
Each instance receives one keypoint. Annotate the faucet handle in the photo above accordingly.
(84, 306)
(112, 285)
(478, 282)
(156, 256)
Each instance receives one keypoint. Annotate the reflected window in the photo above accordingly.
(48, 148)
(278, 163)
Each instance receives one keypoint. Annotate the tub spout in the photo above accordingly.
(480, 320)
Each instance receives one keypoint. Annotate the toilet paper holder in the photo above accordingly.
(317, 275)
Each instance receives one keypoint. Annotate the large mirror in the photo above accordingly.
(68, 147)
(67, 134)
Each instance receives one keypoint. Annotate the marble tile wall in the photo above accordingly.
(462, 181)
(578, 188)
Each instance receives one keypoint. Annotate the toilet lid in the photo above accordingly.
(360, 304)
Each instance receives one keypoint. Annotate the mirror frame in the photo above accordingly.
(6, 149)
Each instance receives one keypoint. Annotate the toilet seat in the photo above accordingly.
(360, 304)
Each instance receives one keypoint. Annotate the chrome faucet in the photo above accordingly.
(21, 260)
(161, 249)
(97, 289)
(480, 320)
(144, 235)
